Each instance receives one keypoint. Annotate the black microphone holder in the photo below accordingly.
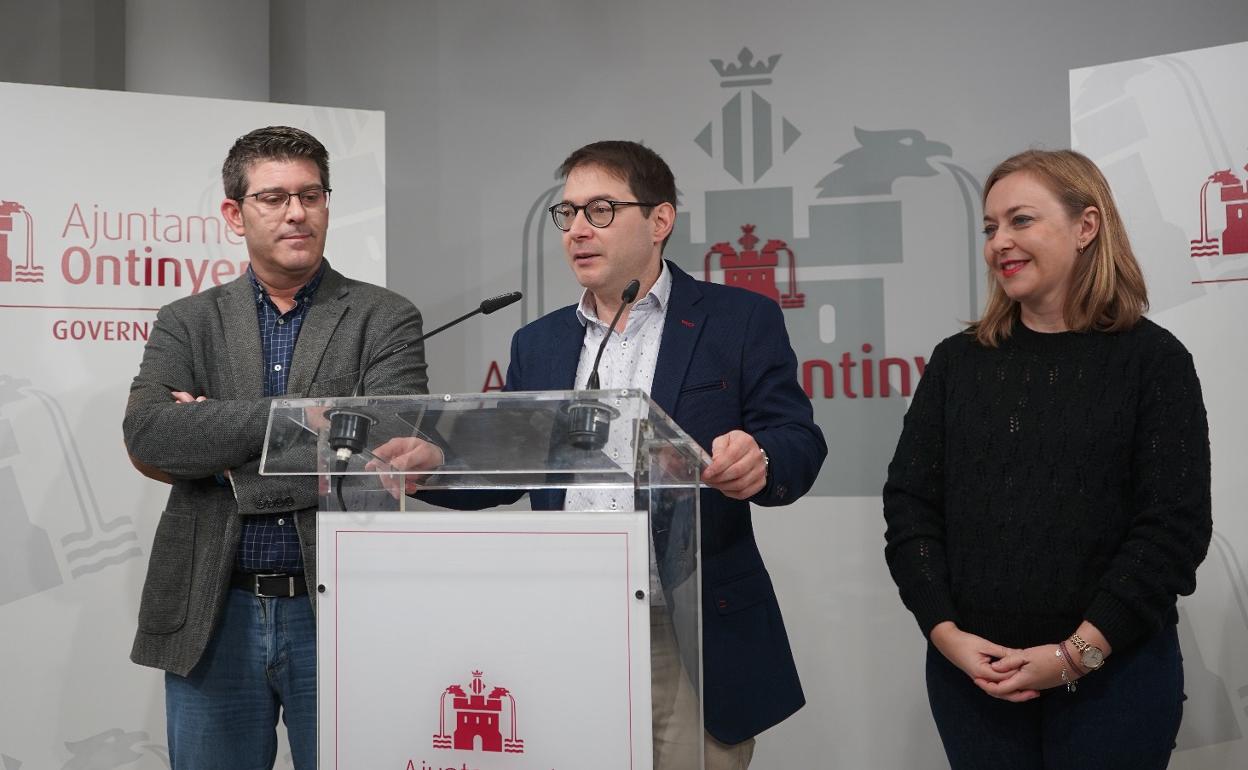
(589, 420)
(589, 423)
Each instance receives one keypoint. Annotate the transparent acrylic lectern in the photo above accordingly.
(461, 624)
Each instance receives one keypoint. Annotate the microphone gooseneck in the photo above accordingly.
(348, 428)
(590, 420)
(626, 299)
(486, 307)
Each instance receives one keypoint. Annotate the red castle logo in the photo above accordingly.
(27, 272)
(477, 717)
(1234, 238)
(756, 271)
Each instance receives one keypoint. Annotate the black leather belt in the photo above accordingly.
(270, 585)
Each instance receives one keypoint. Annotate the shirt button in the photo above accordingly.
(614, 505)
(281, 522)
(277, 367)
(281, 321)
(624, 344)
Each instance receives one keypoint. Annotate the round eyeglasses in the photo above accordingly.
(313, 199)
(599, 212)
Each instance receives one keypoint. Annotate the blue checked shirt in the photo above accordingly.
(270, 542)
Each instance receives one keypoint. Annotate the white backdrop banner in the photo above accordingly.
(1171, 134)
(109, 208)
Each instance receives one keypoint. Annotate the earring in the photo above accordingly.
(1079, 249)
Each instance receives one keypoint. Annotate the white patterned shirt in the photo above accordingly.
(627, 362)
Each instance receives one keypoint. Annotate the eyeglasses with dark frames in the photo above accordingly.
(313, 199)
(600, 212)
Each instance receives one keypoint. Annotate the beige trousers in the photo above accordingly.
(677, 726)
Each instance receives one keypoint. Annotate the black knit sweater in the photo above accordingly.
(1056, 478)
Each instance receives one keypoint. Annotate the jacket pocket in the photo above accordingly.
(719, 384)
(167, 589)
(742, 593)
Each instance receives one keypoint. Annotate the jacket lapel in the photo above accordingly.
(565, 355)
(681, 329)
(237, 306)
(329, 303)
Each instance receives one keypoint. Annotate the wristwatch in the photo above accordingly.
(1090, 656)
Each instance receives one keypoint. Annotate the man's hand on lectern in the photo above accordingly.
(399, 460)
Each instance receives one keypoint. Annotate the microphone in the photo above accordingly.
(591, 420)
(490, 305)
(486, 307)
(626, 299)
(348, 428)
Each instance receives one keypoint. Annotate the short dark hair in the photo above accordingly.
(271, 143)
(647, 175)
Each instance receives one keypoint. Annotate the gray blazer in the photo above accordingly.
(209, 344)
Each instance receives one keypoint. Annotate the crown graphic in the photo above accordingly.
(746, 66)
(748, 239)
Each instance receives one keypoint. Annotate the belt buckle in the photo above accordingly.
(290, 590)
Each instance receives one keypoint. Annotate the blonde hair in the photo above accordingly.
(1107, 290)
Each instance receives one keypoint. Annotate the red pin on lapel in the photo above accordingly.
(687, 324)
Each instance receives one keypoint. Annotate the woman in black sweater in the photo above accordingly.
(1050, 495)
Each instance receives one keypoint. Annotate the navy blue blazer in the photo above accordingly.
(725, 363)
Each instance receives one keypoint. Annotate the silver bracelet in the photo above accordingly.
(1066, 680)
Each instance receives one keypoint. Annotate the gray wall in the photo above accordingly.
(994, 70)
(76, 43)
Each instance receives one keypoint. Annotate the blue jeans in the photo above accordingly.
(261, 659)
(1125, 715)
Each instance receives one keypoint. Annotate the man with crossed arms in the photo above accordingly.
(227, 607)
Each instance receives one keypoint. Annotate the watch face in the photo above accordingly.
(1092, 658)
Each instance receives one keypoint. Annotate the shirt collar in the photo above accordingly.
(302, 297)
(656, 298)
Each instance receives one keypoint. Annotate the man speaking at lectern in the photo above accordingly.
(227, 603)
(718, 360)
